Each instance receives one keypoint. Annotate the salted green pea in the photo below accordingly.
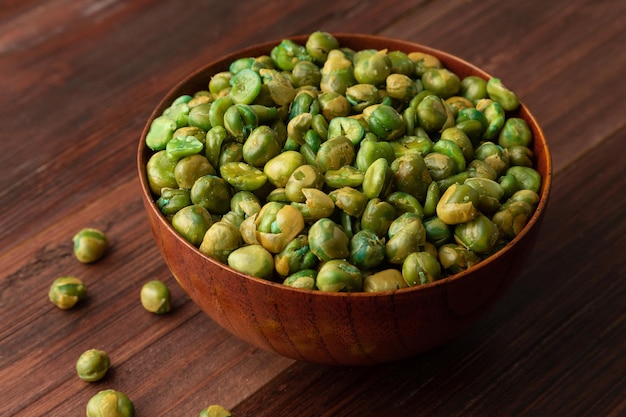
(215, 410)
(231, 152)
(451, 149)
(386, 123)
(179, 111)
(319, 44)
(473, 88)
(410, 175)
(213, 193)
(279, 168)
(172, 200)
(509, 185)
(437, 232)
(367, 250)
(214, 140)
(495, 115)
(296, 256)
(245, 203)
(110, 403)
(239, 121)
(348, 127)
(328, 241)
(361, 96)
(278, 224)
(339, 275)
(261, 145)
(458, 204)
(350, 200)
(160, 132)
(155, 297)
(304, 176)
(422, 61)
(377, 179)
(160, 172)
(304, 102)
(190, 168)
(441, 81)
(89, 245)
(317, 204)
(306, 73)
(479, 235)
(521, 156)
(439, 165)
(92, 365)
(378, 216)
(199, 116)
(181, 146)
(66, 292)
(515, 132)
(333, 105)
(498, 92)
(220, 240)
(298, 126)
(405, 241)
(346, 176)
(493, 155)
(420, 268)
(463, 141)
(304, 279)
(220, 82)
(528, 196)
(253, 260)
(401, 63)
(192, 222)
(280, 88)
(370, 150)
(335, 153)
(337, 73)
(433, 114)
(245, 85)
(480, 169)
(401, 222)
(405, 203)
(472, 130)
(287, 53)
(400, 87)
(433, 195)
(386, 280)
(218, 110)
(527, 178)
(411, 143)
(490, 193)
(455, 258)
(458, 103)
(373, 69)
(513, 217)
(445, 183)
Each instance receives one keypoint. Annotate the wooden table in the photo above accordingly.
(79, 78)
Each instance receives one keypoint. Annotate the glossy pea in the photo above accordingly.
(231, 151)
(386, 122)
(373, 68)
(192, 222)
(452, 150)
(493, 155)
(494, 113)
(108, 403)
(218, 110)
(92, 365)
(190, 168)
(405, 241)
(410, 175)
(305, 73)
(513, 217)
(420, 268)
(423, 61)
(317, 204)
(333, 105)
(411, 143)
(319, 44)
(339, 275)
(473, 88)
(335, 153)
(261, 145)
(65, 292)
(370, 150)
(280, 88)
(350, 200)
(479, 235)
(337, 73)
(178, 112)
(287, 53)
(377, 179)
(89, 244)
(243, 176)
(304, 279)
(378, 216)
(490, 193)
(440, 165)
(239, 121)
(480, 169)
(433, 194)
(155, 297)
(521, 156)
(346, 176)
(361, 96)
(348, 127)
(214, 140)
(433, 114)
(405, 203)
(441, 81)
(279, 168)
(304, 176)
(400, 87)
(220, 82)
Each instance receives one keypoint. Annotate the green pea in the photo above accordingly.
(350, 200)
(218, 110)
(498, 92)
(513, 217)
(220, 82)
(214, 140)
(304, 176)
(455, 258)
(378, 216)
(479, 235)
(89, 245)
(287, 53)
(441, 81)
(92, 365)
(160, 172)
(439, 165)
(367, 250)
(155, 297)
(377, 179)
(304, 102)
(346, 176)
(190, 168)
(215, 410)
(509, 185)
(420, 268)
(473, 88)
(433, 114)
(253, 260)
(373, 69)
(199, 116)
(463, 141)
(458, 204)
(433, 195)
(410, 175)
(239, 121)
(405, 203)
(333, 104)
(278, 224)
(348, 127)
(304, 279)
(213, 193)
(386, 122)
(245, 86)
(172, 200)
(160, 133)
(306, 73)
(298, 126)
(66, 292)
(423, 61)
(231, 152)
(400, 87)
(521, 156)
(279, 168)
(493, 155)
(401, 221)
(411, 143)
(458, 103)
(451, 149)
(527, 178)
(280, 88)
(515, 132)
(110, 403)
(401, 63)
(319, 44)
(405, 241)
(317, 204)
(480, 169)
(494, 113)
(220, 240)
(437, 232)
(335, 153)
(261, 145)
(295, 257)
(361, 96)
(178, 112)
(192, 222)
(337, 73)
(490, 193)
(385, 280)
(370, 150)
(328, 241)
(339, 275)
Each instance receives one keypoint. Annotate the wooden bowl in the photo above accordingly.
(341, 328)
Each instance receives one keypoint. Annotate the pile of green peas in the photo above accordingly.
(331, 169)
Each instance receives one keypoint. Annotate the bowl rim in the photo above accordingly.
(343, 38)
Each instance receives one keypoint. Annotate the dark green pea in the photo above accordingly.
(367, 250)
(66, 292)
(373, 69)
(252, 260)
(333, 105)
(406, 241)
(451, 149)
(337, 73)
(515, 132)
(280, 88)
(296, 256)
(405, 203)
(386, 122)
(472, 114)
(190, 168)
(480, 169)
(338, 275)
(455, 258)
(385, 280)
(420, 268)
(335, 153)
(434, 115)
(410, 175)
(422, 61)
(411, 143)
(304, 279)
(350, 200)
(160, 133)
(328, 241)
(401, 63)
(441, 81)
(377, 179)
(509, 185)
(473, 88)
(521, 156)
(218, 109)
(319, 44)
(527, 196)
(220, 82)
(459, 137)
(458, 204)
(439, 165)
(472, 128)
(493, 155)
(304, 102)
(220, 240)
(214, 140)
(213, 193)
(479, 235)
(192, 222)
(92, 365)
(490, 193)
(261, 145)
(109, 403)
(513, 217)
(172, 200)
(494, 113)
(445, 183)
(288, 53)
(378, 216)
(346, 176)
(160, 172)
(498, 92)
(243, 176)
(305, 176)
(527, 178)
(433, 195)
(264, 114)
(239, 121)
(437, 232)
(279, 168)
(231, 152)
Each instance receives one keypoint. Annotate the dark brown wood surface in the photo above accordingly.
(79, 78)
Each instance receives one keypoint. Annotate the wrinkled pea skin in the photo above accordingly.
(333, 169)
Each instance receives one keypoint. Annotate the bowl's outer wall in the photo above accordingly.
(342, 328)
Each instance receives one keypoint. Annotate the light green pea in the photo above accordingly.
(328, 241)
(160, 172)
(160, 132)
(92, 365)
(155, 297)
(420, 268)
(339, 275)
(89, 245)
(498, 92)
(527, 178)
(66, 292)
(377, 178)
(110, 403)
(192, 222)
(386, 280)
(304, 279)
(253, 260)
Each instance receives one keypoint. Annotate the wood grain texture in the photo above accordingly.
(78, 80)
